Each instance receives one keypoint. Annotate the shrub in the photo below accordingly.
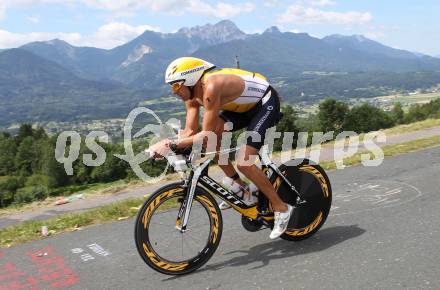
(8, 189)
(31, 193)
(37, 180)
(366, 118)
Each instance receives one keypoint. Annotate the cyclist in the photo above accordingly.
(243, 98)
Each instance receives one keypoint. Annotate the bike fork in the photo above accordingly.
(185, 208)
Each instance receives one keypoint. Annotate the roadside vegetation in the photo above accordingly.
(31, 230)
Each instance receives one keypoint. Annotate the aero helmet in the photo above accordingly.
(187, 70)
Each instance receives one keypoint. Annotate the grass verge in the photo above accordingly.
(421, 125)
(95, 189)
(397, 130)
(30, 230)
(388, 151)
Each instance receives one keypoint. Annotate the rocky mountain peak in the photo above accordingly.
(272, 29)
(220, 32)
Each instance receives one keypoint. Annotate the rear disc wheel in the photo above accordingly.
(311, 181)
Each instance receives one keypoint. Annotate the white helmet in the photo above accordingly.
(187, 69)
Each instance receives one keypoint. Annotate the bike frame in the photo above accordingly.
(199, 176)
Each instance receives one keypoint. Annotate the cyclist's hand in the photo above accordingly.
(160, 149)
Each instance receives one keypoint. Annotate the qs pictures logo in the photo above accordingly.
(67, 151)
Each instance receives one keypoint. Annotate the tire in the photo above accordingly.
(145, 236)
(313, 184)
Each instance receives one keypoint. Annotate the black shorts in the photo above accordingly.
(261, 117)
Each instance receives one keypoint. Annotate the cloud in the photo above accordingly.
(375, 35)
(272, 3)
(10, 39)
(300, 14)
(107, 36)
(33, 19)
(5, 4)
(23, 3)
(121, 7)
(115, 34)
(133, 5)
(283, 28)
(253, 31)
(321, 3)
(128, 7)
(220, 10)
(2, 10)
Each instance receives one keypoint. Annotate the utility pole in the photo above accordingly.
(237, 61)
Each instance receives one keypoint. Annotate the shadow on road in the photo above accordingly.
(281, 249)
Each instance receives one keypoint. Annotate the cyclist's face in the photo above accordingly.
(184, 93)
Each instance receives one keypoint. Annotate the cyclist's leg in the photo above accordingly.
(227, 168)
(262, 118)
(237, 121)
(225, 163)
(265, 117)
(246, 165)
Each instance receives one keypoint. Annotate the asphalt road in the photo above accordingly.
(382, 233)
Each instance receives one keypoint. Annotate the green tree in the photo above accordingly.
(8, 149)
(310, 123)
(113, 167)
(422, 112)
(366, 118)
(8, 189)
(24, 131)
(51, 168)
(31, 193)
(26, 158)
(397, 113)
(286, 124)
(151, 168)
(40, 133)
(332, 115)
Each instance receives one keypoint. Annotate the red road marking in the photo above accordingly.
(52, 268)
(52, 272)
(12, 278)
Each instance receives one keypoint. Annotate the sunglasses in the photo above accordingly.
(175, 87)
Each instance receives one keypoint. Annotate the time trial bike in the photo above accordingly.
(179, 227)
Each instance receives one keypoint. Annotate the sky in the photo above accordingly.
(409, 25)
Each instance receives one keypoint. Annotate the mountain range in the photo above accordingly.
(53, 80)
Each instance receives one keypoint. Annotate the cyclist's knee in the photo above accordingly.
(219, 128)
(244, 167)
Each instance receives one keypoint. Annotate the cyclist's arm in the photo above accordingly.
(212, 105)
(192, 119)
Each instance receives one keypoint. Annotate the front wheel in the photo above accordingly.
(165, 248)
(313, 184)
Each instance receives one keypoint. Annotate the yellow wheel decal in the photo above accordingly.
(214, 215)
(315, 172)
(306, 230)
(155, 202)
(161, 264)
(147, 215)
